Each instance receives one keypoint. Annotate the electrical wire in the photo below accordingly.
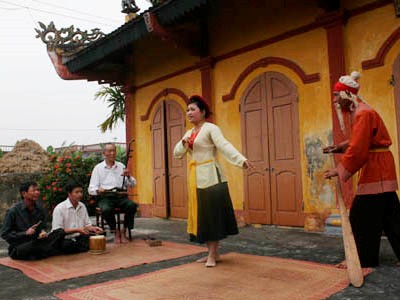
(47, 129)
(58, 14)
(73, 10)
(6, 8)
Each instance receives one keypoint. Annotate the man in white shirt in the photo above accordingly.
(112, 175)
(72, 216)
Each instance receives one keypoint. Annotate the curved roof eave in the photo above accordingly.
(167, 13)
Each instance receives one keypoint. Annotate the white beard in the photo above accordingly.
(339, 114)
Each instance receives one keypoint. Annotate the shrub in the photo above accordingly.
(66, 165)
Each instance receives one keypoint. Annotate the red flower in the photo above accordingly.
(54, 183)
(44, 198)
(68, 170)
(60, 159)
(60, 189)
(56, 166)
(55, 189)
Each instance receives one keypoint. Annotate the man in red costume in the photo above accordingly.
(376, 205)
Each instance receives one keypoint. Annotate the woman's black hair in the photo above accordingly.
(201, 104)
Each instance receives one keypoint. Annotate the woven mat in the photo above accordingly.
(117, 256)
(238, 276)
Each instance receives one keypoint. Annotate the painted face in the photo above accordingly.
(343, 102)
(76, 194)
(110, 153)
(194, 114)
(32, 194)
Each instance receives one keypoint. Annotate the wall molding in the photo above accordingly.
(379, 59)
(264, 62)
(163, 93)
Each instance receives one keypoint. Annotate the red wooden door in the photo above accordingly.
(169, 174)
(160, 207)
(271, 141)
(255, 148)
(396, 83)
(177, 180)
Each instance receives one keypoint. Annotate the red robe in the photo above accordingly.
(368, 150)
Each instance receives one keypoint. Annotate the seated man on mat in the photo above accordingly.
(24, 228)
(112, 175)
(71, 215)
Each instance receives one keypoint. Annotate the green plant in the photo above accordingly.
(1, 153)
(116, 101)
(66, 165)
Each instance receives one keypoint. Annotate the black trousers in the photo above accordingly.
(109, 203)
(38, 248)
(75, 245)
(369, 216)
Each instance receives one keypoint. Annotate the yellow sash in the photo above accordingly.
(192, 203)
(380, 149)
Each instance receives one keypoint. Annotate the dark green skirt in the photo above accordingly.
(216, 218)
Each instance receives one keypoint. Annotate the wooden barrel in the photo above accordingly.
(97, 244)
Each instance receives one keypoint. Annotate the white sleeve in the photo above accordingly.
(230, 153)
(57, 219)
(94, 183)
(87, 219)
(180, 150)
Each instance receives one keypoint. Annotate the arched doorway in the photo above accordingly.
(169, 174)
(270, 135)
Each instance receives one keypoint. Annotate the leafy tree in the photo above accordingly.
(66, 165)
(115, 99)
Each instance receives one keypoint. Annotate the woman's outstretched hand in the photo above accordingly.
(247, 164)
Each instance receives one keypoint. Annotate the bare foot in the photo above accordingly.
(341, 265)
(123, 238)
(204, 259)
(117, 237)
(210, 262)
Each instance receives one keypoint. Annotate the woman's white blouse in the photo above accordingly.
(208, 141)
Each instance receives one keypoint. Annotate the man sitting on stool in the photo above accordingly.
(72, 216)
(107, 176)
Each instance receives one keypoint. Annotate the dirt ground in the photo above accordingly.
(382, 283)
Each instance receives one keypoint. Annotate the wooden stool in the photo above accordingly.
(117, 212)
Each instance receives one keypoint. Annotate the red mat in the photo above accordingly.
(117, 256)
(238, 276)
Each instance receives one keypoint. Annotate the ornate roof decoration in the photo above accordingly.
(66, 41)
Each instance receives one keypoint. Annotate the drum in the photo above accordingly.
(97, 244)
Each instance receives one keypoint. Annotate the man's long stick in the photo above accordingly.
(350, 250)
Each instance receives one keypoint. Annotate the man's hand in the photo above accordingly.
(94, 229)
(42, 235)
(32, 230)
(328, 174)
(125, 173)
(332, 149)
(100, 191)
(83, 230)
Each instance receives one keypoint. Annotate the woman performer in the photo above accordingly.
(211, 217)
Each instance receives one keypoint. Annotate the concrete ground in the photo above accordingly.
(383, 283)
